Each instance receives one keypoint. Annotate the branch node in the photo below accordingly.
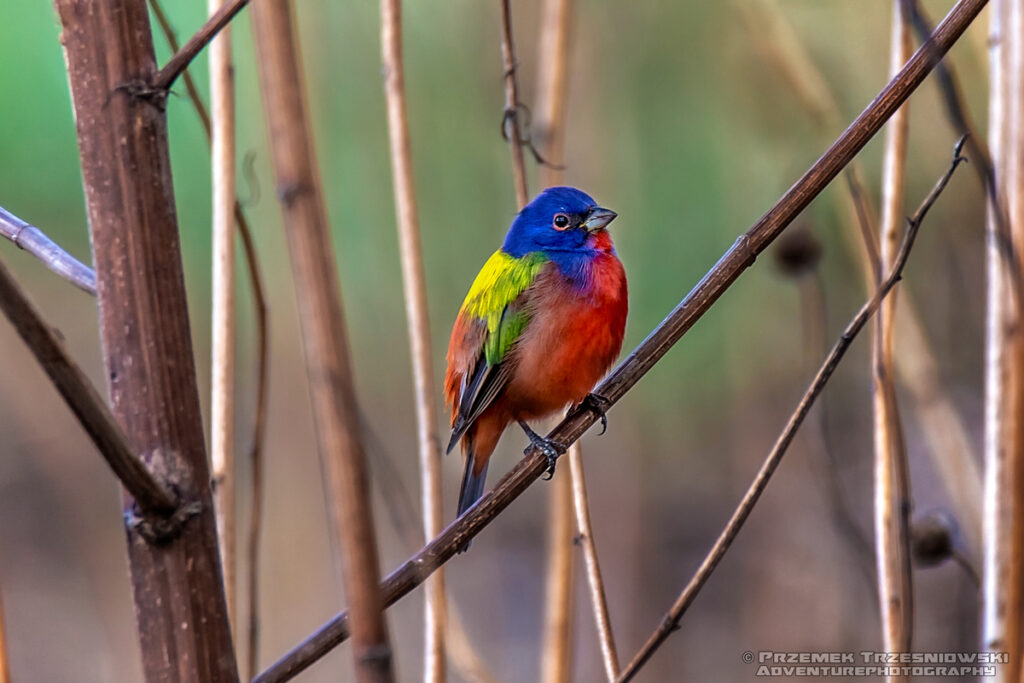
(143, 90)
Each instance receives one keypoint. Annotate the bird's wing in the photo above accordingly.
(492, 318)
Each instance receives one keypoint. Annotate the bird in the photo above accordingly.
(542, 323)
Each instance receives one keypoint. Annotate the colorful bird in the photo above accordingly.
(540, 326)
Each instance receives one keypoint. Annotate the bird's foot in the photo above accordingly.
(549, 447)
(600, 405)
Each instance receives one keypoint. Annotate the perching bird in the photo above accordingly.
(540, 326)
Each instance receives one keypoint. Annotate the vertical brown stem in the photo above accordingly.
(222, 411)
(510, 122)
(552, 86)
(892, 496)
(147, 348)
(1003, 611)
(418, 318)
(328, 365)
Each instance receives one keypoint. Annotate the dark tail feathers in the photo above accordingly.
(472, 488)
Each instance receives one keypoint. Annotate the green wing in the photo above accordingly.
(495, 300)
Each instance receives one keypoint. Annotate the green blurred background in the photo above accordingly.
(677, 122)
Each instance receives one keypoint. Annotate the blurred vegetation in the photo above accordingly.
(677, 123)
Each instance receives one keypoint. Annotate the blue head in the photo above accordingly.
(560, 222)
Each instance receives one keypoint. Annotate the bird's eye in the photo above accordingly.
(561, 221)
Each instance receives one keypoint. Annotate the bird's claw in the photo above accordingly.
(551, 450)
(600, 405)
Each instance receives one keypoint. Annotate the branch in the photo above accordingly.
(510, 121)
(176, 65)
(418, 318)
(729, 267)
(147, 348)
(671, 620)
(85, 402)
(325, 338)
(892, 478)
(31, 239)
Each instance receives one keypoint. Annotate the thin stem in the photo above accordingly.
(180, 60)
(262, 362)
(325, 338)
(727, 270)
(892, 486)
(222, 412)
(418, 319)
(609, 654)
(552, 97)
(670, 622)
(31, 239)
(1003, 565)
(510, 122)
(152, 497)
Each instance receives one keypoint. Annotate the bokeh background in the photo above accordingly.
(678, 122)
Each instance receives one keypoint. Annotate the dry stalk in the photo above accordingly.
(892, 486)
(1003, 575)
(263, 361)
(328, 365)
(510, 124)
(727, 270)
(178, 591)
(552, 96)
(418, 318)
(222, 404)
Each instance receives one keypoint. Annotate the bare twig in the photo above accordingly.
(1003, 568)
(892, 486)
(729, 267)
(328, 365)
(180, 60)
(31, 239)
(85, 402)
(609, 654)
(418, 318)
(510, 122)
(222, 404)
(670, 622)
(943, 426)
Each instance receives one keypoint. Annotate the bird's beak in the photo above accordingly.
(598, 218)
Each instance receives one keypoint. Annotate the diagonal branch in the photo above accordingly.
(31, 239)
(671, 620)
(732, 264)
(83, 399)
(180, 60)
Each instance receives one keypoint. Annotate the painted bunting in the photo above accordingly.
(540, 326)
